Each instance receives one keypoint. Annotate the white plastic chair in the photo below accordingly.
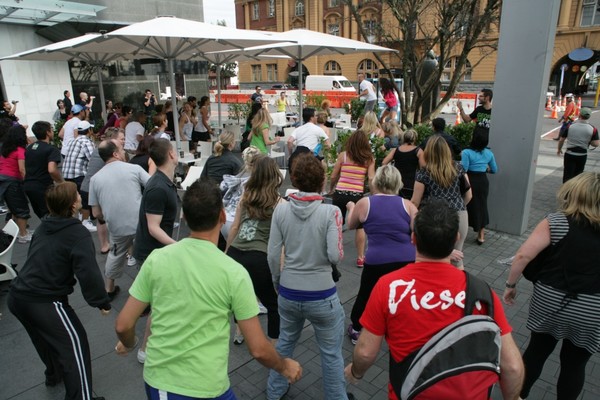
(6, 256)
(345, 121)
(192, 176)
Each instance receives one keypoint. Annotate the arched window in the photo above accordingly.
(449, 68)
(299, 8)
(332, 68)
(368, 67)
(271, 8)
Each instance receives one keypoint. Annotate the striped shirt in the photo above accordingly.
(553, 311)
(352, 177)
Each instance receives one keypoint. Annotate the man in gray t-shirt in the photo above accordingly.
(581, 135)
(115, 196)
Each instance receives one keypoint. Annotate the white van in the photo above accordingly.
(328, 82)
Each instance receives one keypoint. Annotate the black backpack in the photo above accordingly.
(466, 351)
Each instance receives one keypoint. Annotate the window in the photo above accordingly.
(449, 68)
(255, 10)
(334, 3)
(332, 68)
(590, 15)
(369, 68)
(256, 73)
(371, 30)
(299, 8)
(272, 72)
(333, 29)
(460, 26)
(271, 8)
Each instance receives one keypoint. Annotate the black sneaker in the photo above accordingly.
(114, 293)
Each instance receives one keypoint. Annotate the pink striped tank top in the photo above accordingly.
(352, 177)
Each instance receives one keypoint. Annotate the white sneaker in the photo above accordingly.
(261, 309)
(141, 356)
(131, 261)
(25, 238)
(89, 225)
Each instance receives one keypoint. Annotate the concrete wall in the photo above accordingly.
(137, 11)
(35, 84)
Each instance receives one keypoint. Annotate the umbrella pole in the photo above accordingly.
(219, 93)
(101, 91)
(301, 105)
(174, 101)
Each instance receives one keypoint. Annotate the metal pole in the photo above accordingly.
(101, 91)
(219, 93)
(174, 100)
(301, 105)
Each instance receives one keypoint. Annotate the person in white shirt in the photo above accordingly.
(67, 132)
(134, 131)
(308, 135)
(367, 92)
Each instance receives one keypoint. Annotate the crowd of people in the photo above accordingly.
(248, 242)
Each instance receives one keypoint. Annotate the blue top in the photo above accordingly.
(388, 229)
(475, 161)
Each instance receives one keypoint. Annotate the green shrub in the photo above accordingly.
(239, 111)
(356, 109)
(56, 141)
(463, 133)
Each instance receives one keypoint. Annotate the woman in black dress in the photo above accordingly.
(406, 160)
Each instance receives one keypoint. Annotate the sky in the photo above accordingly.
(215, 10)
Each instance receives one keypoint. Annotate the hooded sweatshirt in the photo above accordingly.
(312, 235)
(61, 250)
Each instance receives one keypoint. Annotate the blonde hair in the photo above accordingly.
(391, 128)
(322, 117)
(579, 197)
(439, 162)
(262, 117)
(409, 137)
(250, 155)
(325, 104)
(370, 123)
(387, 180)
(226, 139)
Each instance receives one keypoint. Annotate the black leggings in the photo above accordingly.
(573, 360)
(258, 268)
(370, 275)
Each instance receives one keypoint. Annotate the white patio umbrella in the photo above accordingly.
(170, 38)
(302, 44)
(66, 50)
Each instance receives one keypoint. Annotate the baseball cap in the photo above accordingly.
(77, 108)
(585, 112)
(84, 126)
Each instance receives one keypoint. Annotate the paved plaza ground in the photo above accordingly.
(120, 378)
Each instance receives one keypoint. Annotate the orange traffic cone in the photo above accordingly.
(578, 107)
(548, 104)
(554, 114)
(458, 120)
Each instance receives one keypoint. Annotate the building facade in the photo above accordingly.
(578, 30)
(38, 84)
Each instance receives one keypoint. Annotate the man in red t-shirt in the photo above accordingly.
(409, 306)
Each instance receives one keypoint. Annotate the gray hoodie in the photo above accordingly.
(311, 233)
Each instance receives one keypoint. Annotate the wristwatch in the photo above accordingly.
(510, 285)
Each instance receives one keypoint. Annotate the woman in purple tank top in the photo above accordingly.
(386, 219)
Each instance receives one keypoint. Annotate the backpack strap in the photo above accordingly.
(478, 290)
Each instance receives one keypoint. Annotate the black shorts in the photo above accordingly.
(200, 136)
(16, 201)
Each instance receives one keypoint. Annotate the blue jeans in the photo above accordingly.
(327, 319)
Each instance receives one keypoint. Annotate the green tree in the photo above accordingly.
(452, 28)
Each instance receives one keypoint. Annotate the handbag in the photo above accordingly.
(534, 267)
